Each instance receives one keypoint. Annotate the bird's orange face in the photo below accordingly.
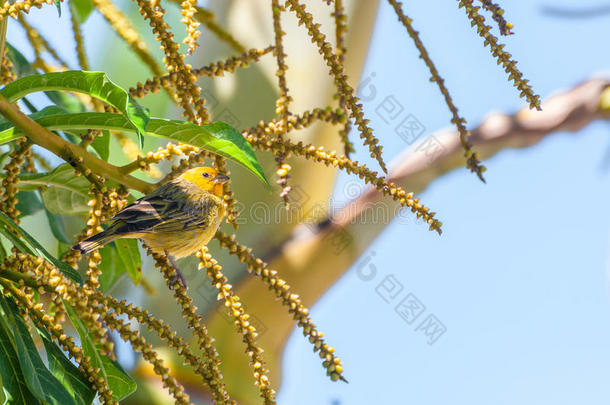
(206, 178)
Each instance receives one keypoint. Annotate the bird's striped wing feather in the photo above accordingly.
(156, 213)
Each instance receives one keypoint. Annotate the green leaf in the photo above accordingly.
(58, 5)
(29, 105)
(101, 144)
(128, 252)
(31, 246)
(15, 240)
(2, 252)
(67, 373)
(81, 9)
(13, 381)
(42, 384)
(219, 138)
(58, 228)
(111, 270)
(95, 84)
(20, 63)
(66, 101)
(66, 194)
(118, 380)
(50, 110)
(28, 203)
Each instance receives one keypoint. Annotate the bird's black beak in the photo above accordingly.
(221, 179)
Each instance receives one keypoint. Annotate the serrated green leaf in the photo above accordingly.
(95, 84)
(42, 384)
(118, 380)
(101, 144)
(13, 381)
(31, 246)
(67, 373)
(81, 9)
(219, 138)
(128, 252)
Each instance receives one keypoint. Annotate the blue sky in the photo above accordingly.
(519, 277)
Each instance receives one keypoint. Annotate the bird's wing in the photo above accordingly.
(183, 217)
(160, 212)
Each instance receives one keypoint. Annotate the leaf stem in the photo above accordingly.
(130, 167)
(71, 153)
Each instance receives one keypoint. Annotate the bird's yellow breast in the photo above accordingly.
(182, 243)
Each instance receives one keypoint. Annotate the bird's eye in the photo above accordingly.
(206, 175)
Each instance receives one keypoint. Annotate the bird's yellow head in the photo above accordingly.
(206, 178)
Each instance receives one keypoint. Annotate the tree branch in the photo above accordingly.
(71, 153)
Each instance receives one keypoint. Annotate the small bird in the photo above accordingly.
(177, 219)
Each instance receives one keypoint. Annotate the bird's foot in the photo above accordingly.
(178, 276)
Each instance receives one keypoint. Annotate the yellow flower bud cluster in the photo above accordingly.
(51, 324)
(8, 202)
(6, 70)
(341, 50)
(80, 44)
(208, 18)
(504, 58)
(187, 91)
(51, 279)
(242, 324)
(472, 160)
(188, 11)
(168, 152)
(336, 70)
(259, 137)
(139, 344)
(193, 320)
(13, 9)
(165, 332)
(288, 298)
(94, 308)
(284, 99)
(228, 197)
(498, 15)
(213, 69)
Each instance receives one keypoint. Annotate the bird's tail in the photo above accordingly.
(97, 240)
